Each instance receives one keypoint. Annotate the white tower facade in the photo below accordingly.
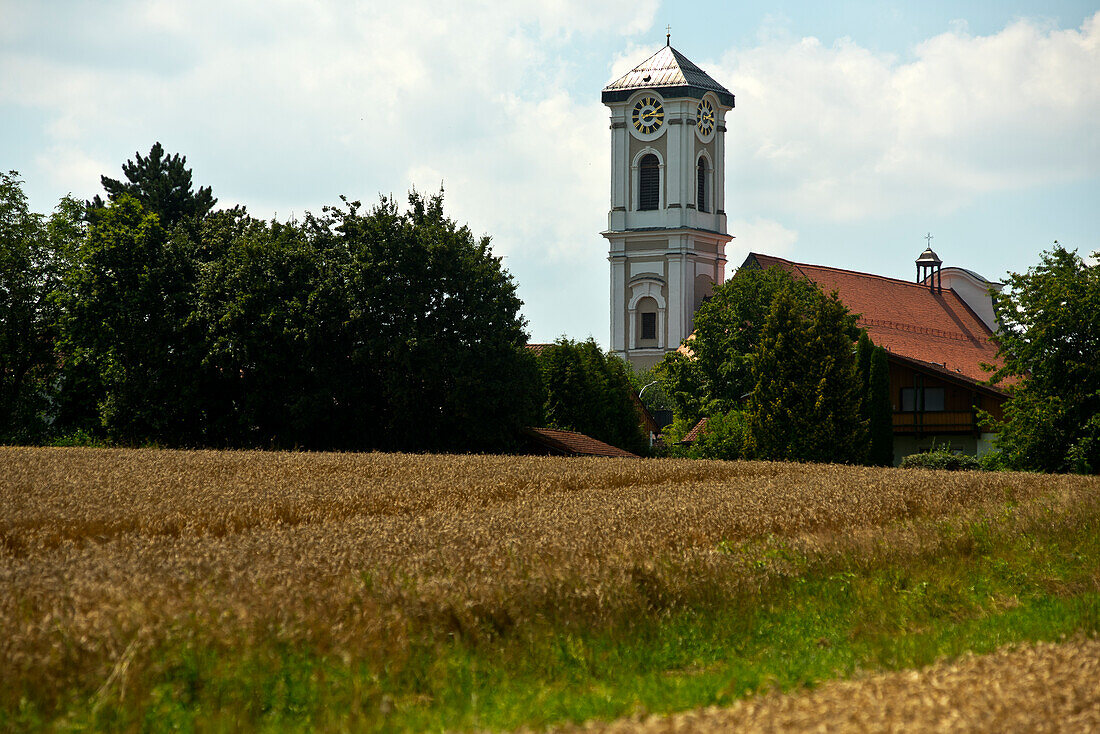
(667, 225)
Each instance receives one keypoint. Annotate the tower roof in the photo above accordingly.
(928, 258)
(671, 72)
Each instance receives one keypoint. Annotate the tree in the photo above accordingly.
(727, 331)
(437, 343)
(880, 412)
(805, 403)
(1049, 343)
(723, 437)
(162, 184)
(590, 392)
(864, 350)
(29, 271)
(128, 293)
(272, 310)
(873, 371)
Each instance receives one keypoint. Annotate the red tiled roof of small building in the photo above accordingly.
(576, 444)
(537, 348)
(909, 319)
(696, 431)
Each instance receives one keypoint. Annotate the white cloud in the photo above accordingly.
(847, 134)
(283, 105)
(286, 104)
(758, 235)
(69, 169)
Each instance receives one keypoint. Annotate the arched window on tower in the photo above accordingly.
(646, 334)
(701, 186)
(649, 182)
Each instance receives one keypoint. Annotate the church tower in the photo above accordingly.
(667, 225)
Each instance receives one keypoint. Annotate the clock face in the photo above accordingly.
(704, 115)
(648, 115)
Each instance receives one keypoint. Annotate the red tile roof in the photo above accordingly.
(575, 444)
(537, 348)
(937, 329)
(696, 431)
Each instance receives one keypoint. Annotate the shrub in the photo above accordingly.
(941, 458)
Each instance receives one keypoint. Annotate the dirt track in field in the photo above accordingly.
(1042, 688)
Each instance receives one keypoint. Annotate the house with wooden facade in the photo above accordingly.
(936, 331)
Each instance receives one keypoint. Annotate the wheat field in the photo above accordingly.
(108, 553)
(1040, 688)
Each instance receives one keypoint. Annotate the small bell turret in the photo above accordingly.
(928, 267)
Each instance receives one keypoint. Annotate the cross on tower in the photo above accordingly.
(928, 239)
(668, 35)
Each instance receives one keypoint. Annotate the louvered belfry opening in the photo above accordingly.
(701, 187)
(649, 183)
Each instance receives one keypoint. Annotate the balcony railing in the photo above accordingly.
(944, 421)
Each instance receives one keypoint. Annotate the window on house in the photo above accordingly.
(701, 186)
(649, 326)
(649, 182)
(931, 399)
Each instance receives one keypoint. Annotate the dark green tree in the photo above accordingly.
(880, 411)
(727, 331)
(590, 392)
(1049, 343)
(162, 184)
(272, 311)
(805, 403)
(724, 437)
(864, 349)
(29, 273)
(437, 355)
(127, 296)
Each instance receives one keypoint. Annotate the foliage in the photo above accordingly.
(650, 389)
(864, 349)
(686, 387)
(724, 437)
(786, 345)
(162, 184)
(377, 329)
(590, 392)
(28, 313)
(270, 309)
(437, 339)
(1050, 346)
(150, 318)
(727, 331)
(127, 296)
(880, 413)
(941, 458)
(805, 403)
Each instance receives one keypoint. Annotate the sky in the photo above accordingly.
(859, 126)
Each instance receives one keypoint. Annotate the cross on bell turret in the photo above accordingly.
(928, 267)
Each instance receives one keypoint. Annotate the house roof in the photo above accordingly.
(538, 348)
(572, 443)
(696, 431)
(671, 72)
(937, 330)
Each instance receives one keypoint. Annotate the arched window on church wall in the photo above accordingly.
(704, 289)
(646, 313)
(649, 183)
(701, 185)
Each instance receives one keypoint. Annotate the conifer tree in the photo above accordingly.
(162, 185)
(880, 411)
(805, 404)
(864, 348)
